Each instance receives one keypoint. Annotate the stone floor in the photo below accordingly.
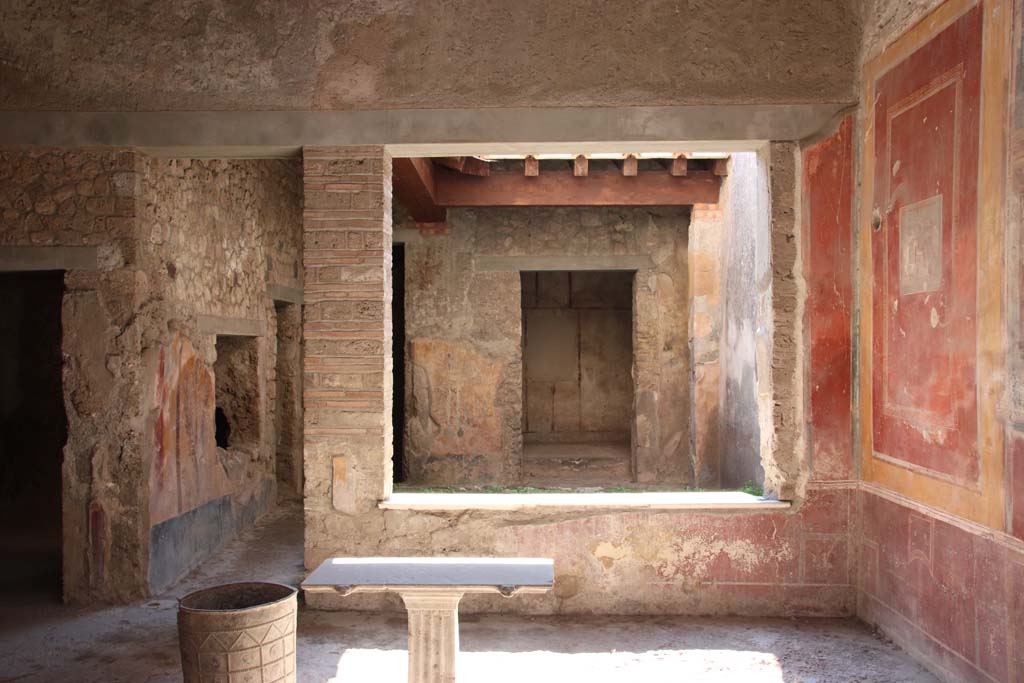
(137, 643)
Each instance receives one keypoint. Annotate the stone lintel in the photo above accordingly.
(527, 263)
(286, 293)
(48, 258)
(419, 132)
(230, 327)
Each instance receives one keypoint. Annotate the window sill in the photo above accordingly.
(660, 500)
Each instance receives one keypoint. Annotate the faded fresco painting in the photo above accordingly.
(924, 251)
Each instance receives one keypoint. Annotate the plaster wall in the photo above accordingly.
(324, 55)
(781, 390)
(746, 310)
(885, 20)
(56, 198)
(1015, 284)
(705, 251)
(464, 331)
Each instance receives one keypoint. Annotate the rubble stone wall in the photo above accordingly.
(174, 241)
(213, 235)
(57, 198)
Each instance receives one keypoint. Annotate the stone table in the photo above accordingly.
(431, 588)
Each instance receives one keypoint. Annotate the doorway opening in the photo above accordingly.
(577, 377)
(288, 401)
(33, 431)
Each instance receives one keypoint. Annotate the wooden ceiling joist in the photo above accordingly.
(679, 166)
(580, 166)
(531, 167)
(563, 188)
(414, 186)
(470, 165)
(428, 187)
(630, 166)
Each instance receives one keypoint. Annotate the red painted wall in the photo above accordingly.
(948, 590)
(827, 215)
(950, 593)
(926, 119)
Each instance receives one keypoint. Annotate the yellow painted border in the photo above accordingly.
(986, 506)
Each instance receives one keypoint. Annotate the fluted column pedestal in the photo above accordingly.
(433, 635)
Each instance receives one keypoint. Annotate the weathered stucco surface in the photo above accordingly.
(621, 562)
(783, 443)
(885, 20)
(745, 395)
(325, 54)
(464, 326)
(50, 198)
(707, 305)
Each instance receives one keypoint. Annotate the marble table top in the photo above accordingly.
(472, 574)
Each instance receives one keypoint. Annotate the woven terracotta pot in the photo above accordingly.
(238, 632)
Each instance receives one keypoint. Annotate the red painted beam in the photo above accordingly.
(562, 188)
(413, 181)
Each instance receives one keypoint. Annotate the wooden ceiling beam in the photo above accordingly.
(415, 187)
(563, 188)
(470, 165)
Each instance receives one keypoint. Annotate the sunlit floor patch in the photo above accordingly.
(536, 666)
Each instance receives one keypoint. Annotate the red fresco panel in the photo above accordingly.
(828, 179)
(1016, 474)
(968, 599)
(924, 255)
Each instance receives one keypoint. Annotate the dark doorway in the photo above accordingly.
(33, 430)
(288, 401)
(398, 356)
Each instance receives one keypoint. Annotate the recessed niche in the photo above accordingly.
(236, 371)
(577, 367)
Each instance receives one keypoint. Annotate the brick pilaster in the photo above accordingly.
(347, 327)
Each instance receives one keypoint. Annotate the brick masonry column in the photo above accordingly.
(347, 382)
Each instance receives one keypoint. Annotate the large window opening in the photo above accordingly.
(569, 322)
(577, 377)
(33, 430)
